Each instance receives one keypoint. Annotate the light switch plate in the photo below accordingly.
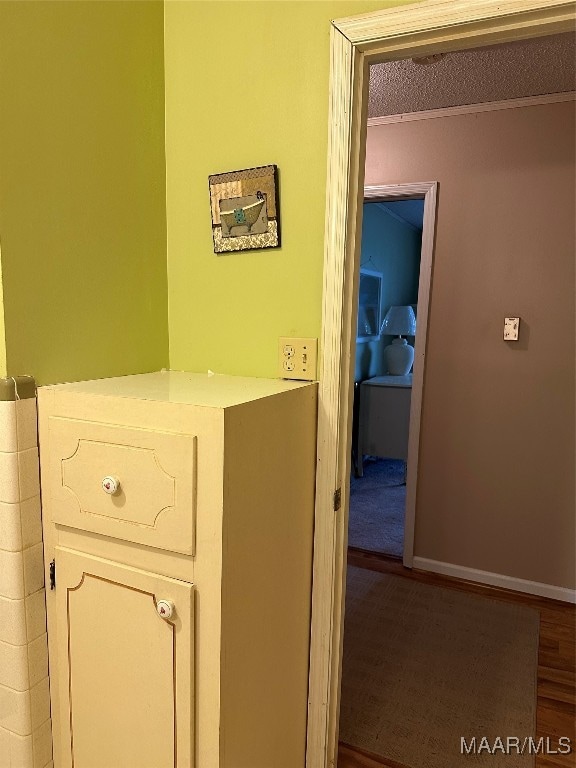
(297, 358)
(511, 328)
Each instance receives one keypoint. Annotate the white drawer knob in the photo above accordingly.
(165, 609)
(110, 484)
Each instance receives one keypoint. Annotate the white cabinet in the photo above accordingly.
(384, 418)
(197, 490)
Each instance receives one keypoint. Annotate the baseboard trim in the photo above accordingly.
(496, 580)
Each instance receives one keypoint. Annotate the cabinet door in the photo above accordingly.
(124, 673)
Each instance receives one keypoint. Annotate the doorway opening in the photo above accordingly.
(393, 301)
(387, 325)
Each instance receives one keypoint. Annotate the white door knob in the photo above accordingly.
(165, 609)
(110, 484)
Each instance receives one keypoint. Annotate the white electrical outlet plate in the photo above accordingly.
(511, 328)
(297, 358)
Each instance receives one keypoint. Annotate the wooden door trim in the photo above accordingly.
(425, 28)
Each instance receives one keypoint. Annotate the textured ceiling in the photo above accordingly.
(498, 72)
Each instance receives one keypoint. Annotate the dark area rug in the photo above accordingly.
(425, 666)
(377, 503)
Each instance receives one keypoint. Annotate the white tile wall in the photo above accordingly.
(23, 711)
(42, 743)
(28, 473)
(33, 561)
(15, 750)
(25, 725)
(8, 432)
(10, 527)
(22, 621)
(20, 525)
(40, 703)
(23, 666)
(14, 666)
(4, 747)
(33, 751)
(12, 621)
(35, 612)
(27, 424)
(31, 521)
(12, 575)
(9, 488)
(21, 573)
(38, 660)
(21, 750)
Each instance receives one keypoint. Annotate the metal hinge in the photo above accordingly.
(53, 574)
(337, 499)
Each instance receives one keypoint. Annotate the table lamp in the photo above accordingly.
(400, 321)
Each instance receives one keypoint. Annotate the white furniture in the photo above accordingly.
(384, 418)
(178, 519)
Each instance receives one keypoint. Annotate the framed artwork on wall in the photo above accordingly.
(245, 211)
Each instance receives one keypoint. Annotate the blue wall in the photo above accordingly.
(391, 247)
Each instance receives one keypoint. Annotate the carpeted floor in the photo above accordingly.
(425, 666)
(377, 507)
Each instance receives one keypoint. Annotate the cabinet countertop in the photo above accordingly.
(390, 381)
(202, 389)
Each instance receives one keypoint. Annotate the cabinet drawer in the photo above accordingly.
(155, 501)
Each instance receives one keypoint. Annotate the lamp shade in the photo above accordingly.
(399, 321)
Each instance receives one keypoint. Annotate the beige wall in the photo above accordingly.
(496, 481)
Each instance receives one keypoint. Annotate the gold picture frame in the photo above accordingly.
(245, 210)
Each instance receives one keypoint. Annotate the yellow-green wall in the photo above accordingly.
(89, 203)
(82, 187)
(246, 85)
(2, 332)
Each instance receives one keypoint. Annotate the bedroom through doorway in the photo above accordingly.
(387, 325)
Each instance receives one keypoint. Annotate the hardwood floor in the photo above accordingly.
(556, 707)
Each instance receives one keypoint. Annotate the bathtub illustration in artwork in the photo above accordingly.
(243, 215)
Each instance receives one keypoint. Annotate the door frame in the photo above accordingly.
(425, 28)
(427, 191)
